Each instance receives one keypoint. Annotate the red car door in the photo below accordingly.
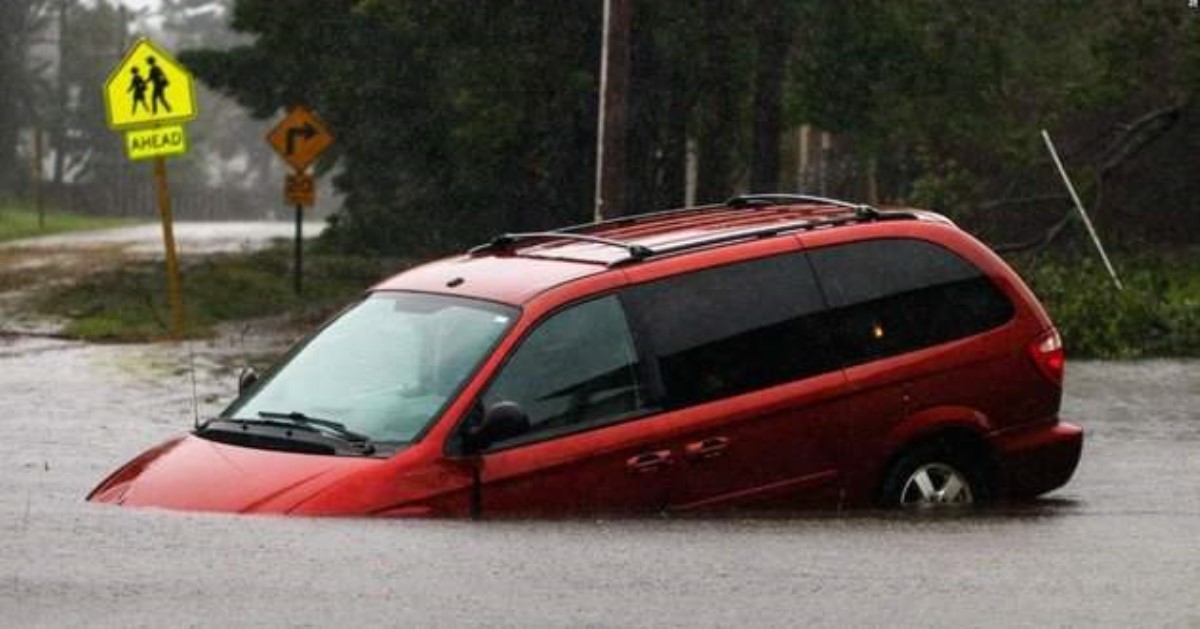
(591, 446)
(752, 388)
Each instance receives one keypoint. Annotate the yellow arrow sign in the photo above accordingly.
(300, 138)
(148, 88)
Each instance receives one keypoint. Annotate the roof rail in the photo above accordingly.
(505, 241)
(751, 200)
(766, 231)
(637, 252)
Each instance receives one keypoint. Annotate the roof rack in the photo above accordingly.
(506, 241)
(766, 231)
(740, 201)
(637, 252)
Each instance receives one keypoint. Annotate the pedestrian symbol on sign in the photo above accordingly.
(137, 87)
(148, 88)
(159, 82)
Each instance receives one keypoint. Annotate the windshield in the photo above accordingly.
(386, 367)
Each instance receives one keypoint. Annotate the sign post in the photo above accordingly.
(148, 96)
(174, 279)
(299, 139)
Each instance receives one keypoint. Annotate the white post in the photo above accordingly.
(1082, 213)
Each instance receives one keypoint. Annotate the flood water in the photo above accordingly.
(1119, 546)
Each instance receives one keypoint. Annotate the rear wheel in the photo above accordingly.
(935, 475)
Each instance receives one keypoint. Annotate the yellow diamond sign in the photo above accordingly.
(148, 88)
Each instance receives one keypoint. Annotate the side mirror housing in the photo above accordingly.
(502, 420)
(246, 379)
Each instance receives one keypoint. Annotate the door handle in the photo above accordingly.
(706, 449)
(648, 462)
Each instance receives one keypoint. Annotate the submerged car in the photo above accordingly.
(774, 351)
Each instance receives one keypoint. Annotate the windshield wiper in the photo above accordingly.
(329, 426)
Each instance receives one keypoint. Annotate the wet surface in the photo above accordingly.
(1119, 546)
(146, 240)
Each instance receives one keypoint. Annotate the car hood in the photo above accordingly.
(194, 474)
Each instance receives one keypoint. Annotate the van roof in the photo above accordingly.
(514, 267)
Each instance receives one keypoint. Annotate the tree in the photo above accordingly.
(90, 40)
(226, 143)
(22, 82)
(462, 118)
(453, 119)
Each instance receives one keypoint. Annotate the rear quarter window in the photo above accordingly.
(728, 330)
(892, 296)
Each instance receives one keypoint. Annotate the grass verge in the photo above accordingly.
(1156, 315)
(130, 304)
(16, 223)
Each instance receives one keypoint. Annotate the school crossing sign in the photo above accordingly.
(149, 95)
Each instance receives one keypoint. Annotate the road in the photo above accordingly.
(146, 240)
(1119, 546)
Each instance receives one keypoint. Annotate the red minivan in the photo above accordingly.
(775, 351)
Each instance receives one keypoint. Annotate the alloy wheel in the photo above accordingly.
(935, 485)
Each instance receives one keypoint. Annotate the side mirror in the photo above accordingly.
(502, 420)
(246, 379)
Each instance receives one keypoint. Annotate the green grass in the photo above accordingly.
(16, 223)
(1156, 315)
(130, 305)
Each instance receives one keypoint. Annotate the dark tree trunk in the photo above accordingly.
(775, 39)
(717, 136)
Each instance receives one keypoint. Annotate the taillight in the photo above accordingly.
(1049, 356)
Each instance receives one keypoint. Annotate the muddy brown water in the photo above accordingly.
(1119, 546)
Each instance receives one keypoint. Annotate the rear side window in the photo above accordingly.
(733, 329)
(897, 295)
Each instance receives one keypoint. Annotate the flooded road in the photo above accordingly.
(190, 237)
(1119, 546)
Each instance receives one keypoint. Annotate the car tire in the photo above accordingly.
(935, 475)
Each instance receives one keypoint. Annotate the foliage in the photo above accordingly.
(130, 305)
(22, 82)
(1158, 313)
(461, 118)
(226, 147)
(83, 146)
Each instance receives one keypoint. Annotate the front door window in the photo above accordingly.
(578, 369)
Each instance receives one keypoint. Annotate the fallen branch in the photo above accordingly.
(1139, 134)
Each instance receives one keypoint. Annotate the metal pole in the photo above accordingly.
(599, 209)
(174, 283)
(610, 128)
(298, 266)
(1087, 222)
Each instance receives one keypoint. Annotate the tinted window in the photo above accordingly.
(893, 296)
(579, 367)
(733, 329)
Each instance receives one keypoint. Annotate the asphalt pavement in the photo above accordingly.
(1118, 546)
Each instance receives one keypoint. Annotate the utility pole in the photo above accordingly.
(60, 123)
(37, 177)
(614, 105)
